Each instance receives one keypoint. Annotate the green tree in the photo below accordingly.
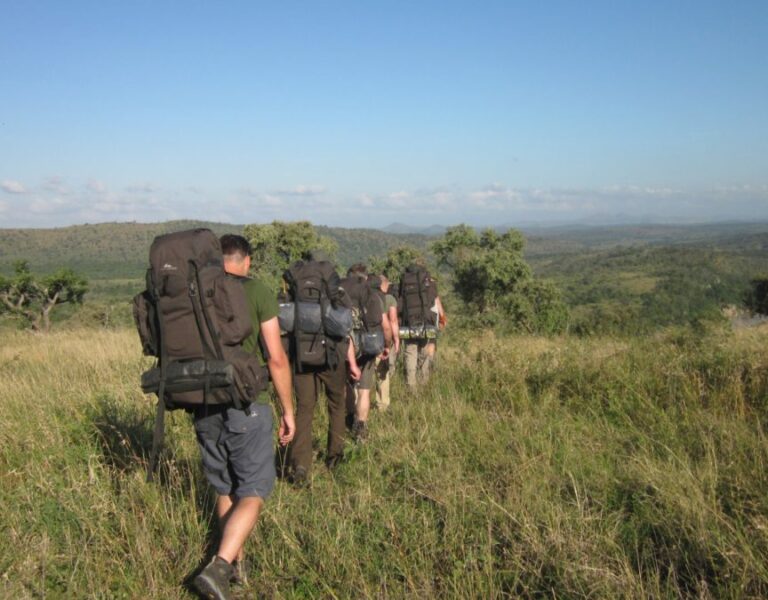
(395, 262)
(278, 244)
(495, 282)
(33, 300)
(757, 296)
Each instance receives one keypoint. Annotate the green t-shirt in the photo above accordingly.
(389, 302)
(262, 306)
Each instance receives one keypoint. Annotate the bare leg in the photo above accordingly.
(239, 520)
(363, 404)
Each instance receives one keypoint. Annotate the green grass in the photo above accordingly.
(538, 468)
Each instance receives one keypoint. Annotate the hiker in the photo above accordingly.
(318, 356)
(373, 337)
(237, 444)
(421, 313)
(385, 367)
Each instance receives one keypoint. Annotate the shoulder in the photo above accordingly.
(257, 291)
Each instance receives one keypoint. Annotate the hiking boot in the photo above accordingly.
(213, 581)
(333, 462)
(240, 570)
(300, 477)
(360, 432)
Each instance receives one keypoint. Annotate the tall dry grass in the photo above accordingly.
(529, 467)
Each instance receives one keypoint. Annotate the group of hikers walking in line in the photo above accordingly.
(221, 337)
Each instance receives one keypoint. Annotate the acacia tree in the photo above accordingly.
(493, 279)
(33, 300)
(278, 244)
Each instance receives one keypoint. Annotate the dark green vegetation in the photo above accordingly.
(529, 468)
(496, 284)
(613, 279)
(756, 297)
(651, 277)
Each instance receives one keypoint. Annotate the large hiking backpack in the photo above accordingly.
(193, 318)
(314, 320)
(367, 307)
(417, 294)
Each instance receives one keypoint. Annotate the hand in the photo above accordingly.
(442, 321)
(355, 373)
(287, 429)
(385, 354)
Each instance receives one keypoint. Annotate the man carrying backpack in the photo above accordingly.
(318, 352)
(373, 337)
(386, 366)
(421, 313)
(237, 444)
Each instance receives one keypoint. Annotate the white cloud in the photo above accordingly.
(302, 190)
(56, 202)
(57, 185)
(12, 187)
(141, 188)
(96, 186)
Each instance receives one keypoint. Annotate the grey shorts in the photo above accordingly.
(368, 373)
(238, 450)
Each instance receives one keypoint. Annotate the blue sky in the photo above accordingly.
(364, 113)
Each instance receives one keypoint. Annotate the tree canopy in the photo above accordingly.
(394, 263)
(496, 283)
(277, 245)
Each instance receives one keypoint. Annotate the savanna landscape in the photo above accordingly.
(595, 430)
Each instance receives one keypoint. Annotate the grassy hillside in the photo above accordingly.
(101, 251)
(529, 468)
(111, 254)
(638, 287)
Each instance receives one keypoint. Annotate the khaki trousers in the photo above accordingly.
(384, 370)
(418, 356)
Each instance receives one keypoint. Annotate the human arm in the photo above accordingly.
(387, 327)
(441, 319)
(395, 324)
(280, 372)
(354, 370)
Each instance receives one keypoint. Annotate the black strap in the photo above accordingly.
(213, 333)
(159, 431)
(158, 434)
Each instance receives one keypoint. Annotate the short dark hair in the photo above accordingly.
(235, 245)
(358, 269)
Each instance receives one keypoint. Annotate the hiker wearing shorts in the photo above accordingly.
(386, 366)
(372, 322)
(237, 445)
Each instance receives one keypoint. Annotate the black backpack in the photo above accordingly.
(417, 294)
(367, 308)
(313, 286)
(193, 318)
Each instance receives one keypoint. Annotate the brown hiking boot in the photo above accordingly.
(300, 478)
(213, 581)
